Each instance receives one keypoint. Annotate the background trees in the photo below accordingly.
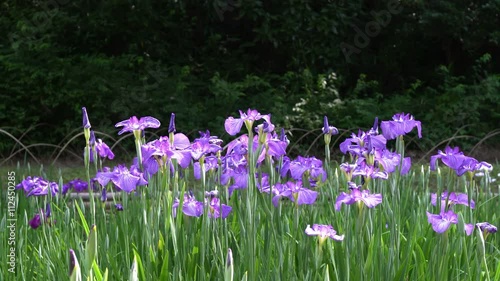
(205, 60)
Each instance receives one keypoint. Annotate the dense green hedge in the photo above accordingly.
(296, 59)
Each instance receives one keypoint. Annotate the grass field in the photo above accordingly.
(260, 223)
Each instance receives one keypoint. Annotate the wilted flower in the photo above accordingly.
(323, 231)
(103, 150)
(400, 125)
(486, 227)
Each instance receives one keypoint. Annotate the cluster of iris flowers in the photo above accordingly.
(458, 162)
(38, 186)
(297, 178)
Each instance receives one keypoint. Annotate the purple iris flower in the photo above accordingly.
(211, 164)
(216, 209)
(92, 138)
(387, 159)
(239, 176)
(369, 171)
(31, 182)
(301, 195)
(262, 183)
(486, 227)
(279, 191)
(327, 129)
(233, 125)
(48, 211)
(211, 193)
(469, 228)
(127, 180)
(203, 146)
(211, 139)
(451, 157)
(86, 122)
(374, 130)
(190, 207)
(356, 195)
(312, 166)
(293, 191)
(134, 124)
(103, 150)
(240, 146)
(266, 126)
(390, 160)
(274, 146)
(470, 164)
(171, 125)
(405, 169)
(234, 166)
(118, 207)
(348, 169)
(36, 221)
(362, 143)
(453, 199)
(152, 158)
(440, 223)
(178, 149)
(400, 125)
(456, 160)
(165, 149)
(43, 187)
(41, 217)
(103, 177)
(283, 137)
(77, 185)
(323, 231)
(104, 195)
